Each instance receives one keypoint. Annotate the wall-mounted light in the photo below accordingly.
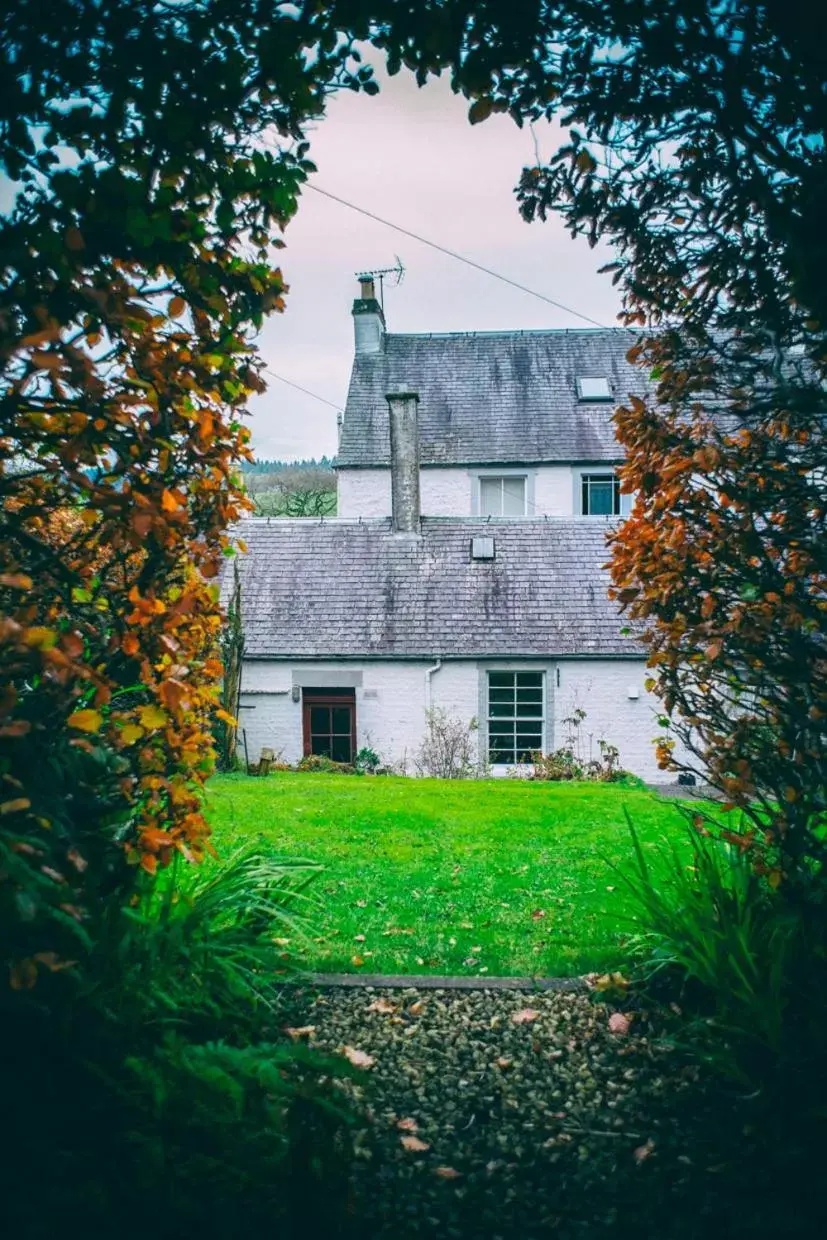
(297, 693)
(633, 692)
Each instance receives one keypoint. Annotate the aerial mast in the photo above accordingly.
(380, 273)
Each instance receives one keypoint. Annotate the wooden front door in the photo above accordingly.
(329, 718)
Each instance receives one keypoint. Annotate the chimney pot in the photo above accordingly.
(404, 437)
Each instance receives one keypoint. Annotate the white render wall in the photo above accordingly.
(450, 492)
(391, 703)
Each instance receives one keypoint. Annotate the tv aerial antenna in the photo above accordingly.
(380, 273)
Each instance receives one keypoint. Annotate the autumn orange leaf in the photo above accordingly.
(86, 720)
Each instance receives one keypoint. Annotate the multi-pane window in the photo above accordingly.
(502, 497)
(330, 724)
(601, 497)
(515, 716)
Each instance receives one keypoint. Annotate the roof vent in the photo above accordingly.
(482, 549)
(594, 388)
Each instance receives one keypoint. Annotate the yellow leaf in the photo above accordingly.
(40, 638)
(152, 717)
(16, 806)
(86, 720)
(131, 733)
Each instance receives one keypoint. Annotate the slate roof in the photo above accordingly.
(354, 589)
(492, 397)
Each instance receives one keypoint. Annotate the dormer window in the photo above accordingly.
(594, 388)
(502, 495)
(601, 497)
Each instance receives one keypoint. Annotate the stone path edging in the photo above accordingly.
(428, 981)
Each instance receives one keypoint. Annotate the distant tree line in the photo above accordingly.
(292, 488)
(263, 465)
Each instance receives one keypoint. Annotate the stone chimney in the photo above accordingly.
(404, 434)
(368, 319)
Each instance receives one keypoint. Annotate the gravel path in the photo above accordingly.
(497, 1114)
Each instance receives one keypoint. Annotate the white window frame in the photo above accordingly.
(488, 475)
(540, 722)
(603, 399)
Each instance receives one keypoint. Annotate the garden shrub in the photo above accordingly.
(447, 750)
(155, 1064)
(747, 967)
(367, 761)
(320, 763)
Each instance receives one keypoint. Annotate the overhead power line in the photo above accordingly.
(306, 391)
(461, 258)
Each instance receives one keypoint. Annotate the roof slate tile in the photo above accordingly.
(492, 397)
(356, 589)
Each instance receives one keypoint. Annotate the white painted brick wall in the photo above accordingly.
(600, 687)
(363, 493)
(390, 707)
(447, 492)
(554, 491)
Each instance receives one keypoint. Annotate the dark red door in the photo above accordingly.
(329, 718)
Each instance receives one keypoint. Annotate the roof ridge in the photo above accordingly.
(522, 331)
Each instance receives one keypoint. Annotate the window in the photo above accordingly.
(502, 497)
(601, 497)
(515, 716)
(594, 388)
(330, 723)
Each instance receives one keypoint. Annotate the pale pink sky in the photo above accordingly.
(410, 156)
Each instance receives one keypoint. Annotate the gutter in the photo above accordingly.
(429, 672)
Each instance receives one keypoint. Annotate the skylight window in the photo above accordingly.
(594, 388)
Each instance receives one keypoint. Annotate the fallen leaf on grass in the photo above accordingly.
(619, 1024)
(279, 942)
(643, 1151)
(359, 1059)
(396, 930)
(358, 938)
(414, 1144)
(525, 1016)
(381, 1005)
(538, 914)
(447, 1173)
(295, 1032)
(357, 961)
(408, 1124)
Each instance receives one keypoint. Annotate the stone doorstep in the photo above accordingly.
(384, 981)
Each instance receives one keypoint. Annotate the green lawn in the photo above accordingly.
(494, 876)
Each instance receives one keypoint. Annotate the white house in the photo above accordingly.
(465, 570)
